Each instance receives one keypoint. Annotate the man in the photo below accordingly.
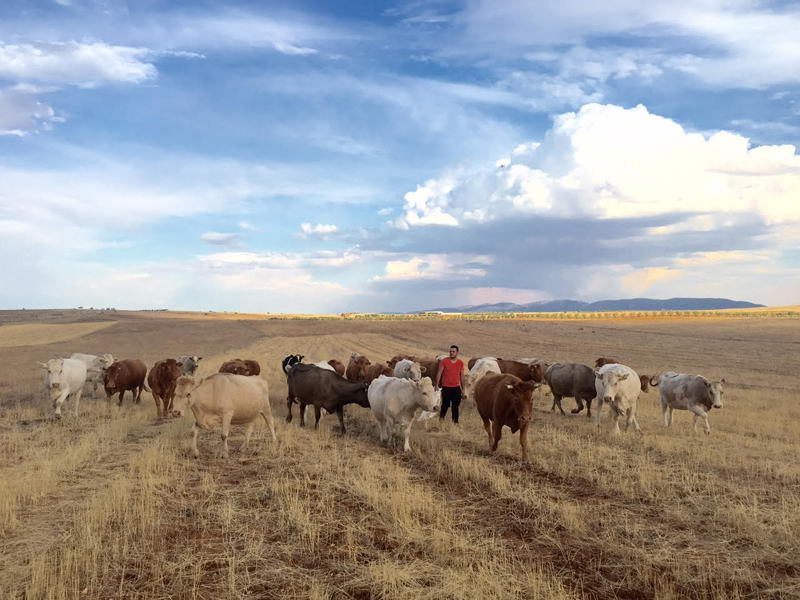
(450, 376)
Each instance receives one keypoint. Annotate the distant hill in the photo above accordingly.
(605, 305)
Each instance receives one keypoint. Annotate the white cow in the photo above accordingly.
(481, 367)
(688, 392)
(223, 399)
(64, 377)
(408, 369)
(324, 364)
(395, 401)
(94, 368)
(619, 386)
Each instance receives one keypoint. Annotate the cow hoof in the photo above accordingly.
(575, 411)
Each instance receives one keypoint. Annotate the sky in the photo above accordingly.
(315, 156)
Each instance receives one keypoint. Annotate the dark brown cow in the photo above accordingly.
(398, 357)
(378, 369)
(309, 384)
(644, 382)
(124, 375)
(337, 365)
(161, 379)
(505, 400)
(357, 367)
(237, 366)
(431, 366)
(526, 372)
(604, 360)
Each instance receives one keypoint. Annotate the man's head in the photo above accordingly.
(453, 351)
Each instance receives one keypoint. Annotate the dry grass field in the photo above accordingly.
(111, 505)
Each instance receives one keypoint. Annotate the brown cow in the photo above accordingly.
(525, 371)
(604, 360)
(398, 357)
(357, 367)
(161, 379)
(505, 400)
(644, 382)
(431, 366)
(124, 375)
(378, 369)
(237, 366)
(337, 365)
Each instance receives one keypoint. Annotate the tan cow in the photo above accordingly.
(223, 399)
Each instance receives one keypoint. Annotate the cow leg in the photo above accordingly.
(247, 433)
(589, 407)
(317, 415)
(340, 414)
(666, 413)
(523, 441)
(157, 400)
(267, 416)
(669, 423)
(226, 429)
(617, 416)
(579, 406)
(557, 402)
(598, 415)
(487, 425)
(121, 394)
(288, 409)
(407, 432)
(195, 433)
(78, 400)
(58, 402)
(700, 413)
(497, 428)
(302, 414)
(632, 419)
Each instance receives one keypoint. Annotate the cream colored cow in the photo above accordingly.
(224, 399)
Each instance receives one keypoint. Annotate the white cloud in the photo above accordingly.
(21, 113)
(606, 161)
(85, 64)
(247, 226)
(221, 239)
(283, 260)
(319, 230)
(444, 267)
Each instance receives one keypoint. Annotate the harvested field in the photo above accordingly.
(112, 504)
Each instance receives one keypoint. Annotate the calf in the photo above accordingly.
(395, 401)
(224, 399)
(309, 384)
(505, 400)
(688, 392)
(571, 380)
(162, 379)
(357, 367)
(64, 378)
(124, 375)
(188, 364)
(619, 386)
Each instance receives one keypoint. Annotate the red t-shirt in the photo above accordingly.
(451, 372)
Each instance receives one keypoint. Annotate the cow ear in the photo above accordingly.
(199, 358)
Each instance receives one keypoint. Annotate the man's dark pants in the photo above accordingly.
(451, 398)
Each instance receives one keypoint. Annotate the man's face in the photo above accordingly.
(453, 353)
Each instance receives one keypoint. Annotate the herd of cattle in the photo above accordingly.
(397, 391)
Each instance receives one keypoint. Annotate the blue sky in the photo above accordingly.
(323, 157)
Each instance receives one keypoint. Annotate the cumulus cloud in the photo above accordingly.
(435, 266)
(221, 239)
(610, 162)
(21, 113)
(319, 230)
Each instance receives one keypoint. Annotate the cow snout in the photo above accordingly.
(435, 408)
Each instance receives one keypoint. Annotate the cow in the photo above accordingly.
(479, 368)
(571, 380)
(357, 367)
(64, 378)
(392, 362)
(237, 366)
(408, 369)
(395, 401)
(162, 379)
(188, 364)
(604, 360)
(694, 393)
(288, 362)
(533, 371)
(431, 366)
(94, 367)
(124, 375)
(324, 389)
(472, 361)
(376, 370)
(337, 365)
(324, 364)
(619, 386)
(224, 399)
(505, 400)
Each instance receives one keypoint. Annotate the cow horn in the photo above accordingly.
(43, 365)
(655, 380)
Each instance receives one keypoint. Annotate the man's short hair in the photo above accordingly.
(454, 346)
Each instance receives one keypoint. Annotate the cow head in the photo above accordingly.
(110, 378)
(603, 360)
(715, 392)
(411, 370)
(612, 383)
(184, 387)
(521, 394)
(537, 371)
(429, 399)
(357, 368)
(106, 360)
(290, 361)
(644, 382)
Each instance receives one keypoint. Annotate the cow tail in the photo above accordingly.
(146, 389)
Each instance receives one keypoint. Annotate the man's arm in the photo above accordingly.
(463, 386)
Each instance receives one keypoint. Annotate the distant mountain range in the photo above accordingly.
(604, 305)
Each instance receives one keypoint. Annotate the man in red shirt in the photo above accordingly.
(450, 376)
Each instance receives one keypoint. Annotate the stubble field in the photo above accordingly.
(111, 505)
